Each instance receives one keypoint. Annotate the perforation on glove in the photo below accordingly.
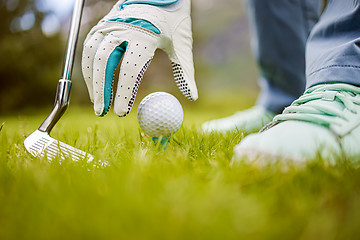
(131, 32)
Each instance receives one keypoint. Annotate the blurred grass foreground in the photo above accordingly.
(188, 191)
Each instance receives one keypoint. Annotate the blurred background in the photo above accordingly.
(33, 38)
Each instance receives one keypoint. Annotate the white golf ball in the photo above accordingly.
(160, 114)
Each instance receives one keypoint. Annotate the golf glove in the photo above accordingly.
(131, 32)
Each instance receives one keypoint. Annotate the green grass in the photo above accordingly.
(186, 192)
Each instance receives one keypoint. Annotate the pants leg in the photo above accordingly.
(279, 30)
(333, 48)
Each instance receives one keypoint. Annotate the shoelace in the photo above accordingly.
(340, 116)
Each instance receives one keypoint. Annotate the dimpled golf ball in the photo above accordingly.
(160, 114)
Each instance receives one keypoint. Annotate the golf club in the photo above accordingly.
(39, 143)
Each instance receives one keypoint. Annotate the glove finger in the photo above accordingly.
(135, 62)
(106, 60)
(90, 47)
(182, 61)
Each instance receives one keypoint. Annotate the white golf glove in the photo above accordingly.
(132, 31)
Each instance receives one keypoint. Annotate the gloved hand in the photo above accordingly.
(132, 31)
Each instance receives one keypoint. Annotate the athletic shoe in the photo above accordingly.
(324, 122)
(248, 121)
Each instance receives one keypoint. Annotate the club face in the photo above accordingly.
(40, 144)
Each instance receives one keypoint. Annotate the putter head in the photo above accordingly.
(40, 144)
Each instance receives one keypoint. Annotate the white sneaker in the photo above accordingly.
(248, 121)
(323, 123)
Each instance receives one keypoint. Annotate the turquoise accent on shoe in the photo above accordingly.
(341, 108)
(150, 2)
(111, 66)
(164, 141)
(137, 22)
(323, 124)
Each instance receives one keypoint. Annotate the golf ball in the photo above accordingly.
(160, 114)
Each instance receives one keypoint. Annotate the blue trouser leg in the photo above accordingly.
(333, 48)
(279, 30)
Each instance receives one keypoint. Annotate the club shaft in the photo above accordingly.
(72, 39)
(64, 85)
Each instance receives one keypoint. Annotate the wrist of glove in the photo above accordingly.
(131, 33)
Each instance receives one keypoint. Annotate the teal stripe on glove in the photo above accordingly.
(111, 66)
(150, 2)
(137, 22)
(131, 36)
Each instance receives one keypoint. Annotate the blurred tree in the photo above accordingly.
(30, 60)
